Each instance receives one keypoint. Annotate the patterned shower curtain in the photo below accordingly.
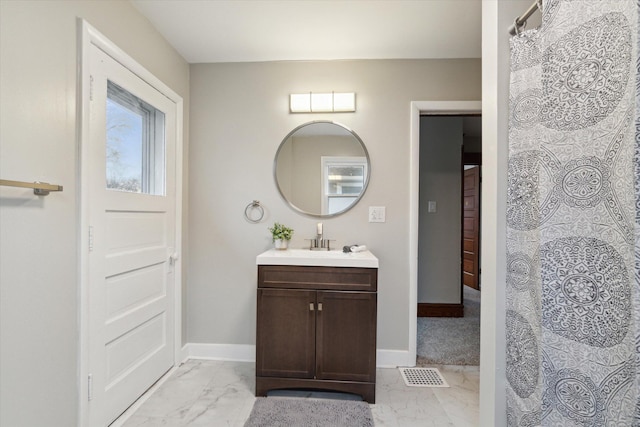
(573, 217)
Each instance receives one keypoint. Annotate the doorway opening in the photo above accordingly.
(448, 270)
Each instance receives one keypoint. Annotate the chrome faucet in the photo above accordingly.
(319, 243)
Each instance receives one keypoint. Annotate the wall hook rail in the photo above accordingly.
(39, 188)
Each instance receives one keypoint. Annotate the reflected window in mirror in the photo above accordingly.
(342, 182)
(322, 169)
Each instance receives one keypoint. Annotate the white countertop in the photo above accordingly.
(364, 259)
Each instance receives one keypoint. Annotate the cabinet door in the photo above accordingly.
(286, 323)
(346, 336)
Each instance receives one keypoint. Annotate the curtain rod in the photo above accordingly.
(521, 20)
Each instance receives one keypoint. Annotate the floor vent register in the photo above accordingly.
(423, 377)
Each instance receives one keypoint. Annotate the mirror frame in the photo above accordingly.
(364, 186)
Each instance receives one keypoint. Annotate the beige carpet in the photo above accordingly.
(451, 340)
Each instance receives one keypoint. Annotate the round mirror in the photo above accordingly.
(322, 168)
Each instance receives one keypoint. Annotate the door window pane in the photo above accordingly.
(135, 144)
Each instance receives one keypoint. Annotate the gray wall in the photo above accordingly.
(239, 116)
(38, 245)
(439, 232)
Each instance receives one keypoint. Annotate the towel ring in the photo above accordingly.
(251, 207)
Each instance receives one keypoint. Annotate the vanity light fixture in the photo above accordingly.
(332, 102)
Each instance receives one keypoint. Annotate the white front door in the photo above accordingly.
(132, 220)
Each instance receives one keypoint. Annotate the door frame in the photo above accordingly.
(454, 108)
(87, 36)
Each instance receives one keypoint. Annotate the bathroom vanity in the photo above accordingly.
(316, 321)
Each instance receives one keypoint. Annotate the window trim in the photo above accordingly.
(152, 179)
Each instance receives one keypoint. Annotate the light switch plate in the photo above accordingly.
(377, 214)
(432, 207)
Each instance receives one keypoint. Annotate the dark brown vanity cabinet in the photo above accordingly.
(316, 329)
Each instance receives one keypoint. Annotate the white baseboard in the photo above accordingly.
(394, 358)
(247, 353)
(232, 352)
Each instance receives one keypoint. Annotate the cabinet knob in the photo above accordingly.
(319, 306)
(310, 306)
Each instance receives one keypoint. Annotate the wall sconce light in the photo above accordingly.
(322, 102)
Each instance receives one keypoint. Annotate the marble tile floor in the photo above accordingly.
(217, 393)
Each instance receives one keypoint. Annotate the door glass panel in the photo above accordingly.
(135, 144)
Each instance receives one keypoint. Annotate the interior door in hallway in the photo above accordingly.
(471, 227)
(132, 216)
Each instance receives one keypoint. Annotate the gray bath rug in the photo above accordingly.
(290, 411)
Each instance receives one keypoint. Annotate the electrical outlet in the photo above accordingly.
(377, 214)
(432, 207)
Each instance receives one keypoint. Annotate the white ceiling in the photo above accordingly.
(276, 30)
